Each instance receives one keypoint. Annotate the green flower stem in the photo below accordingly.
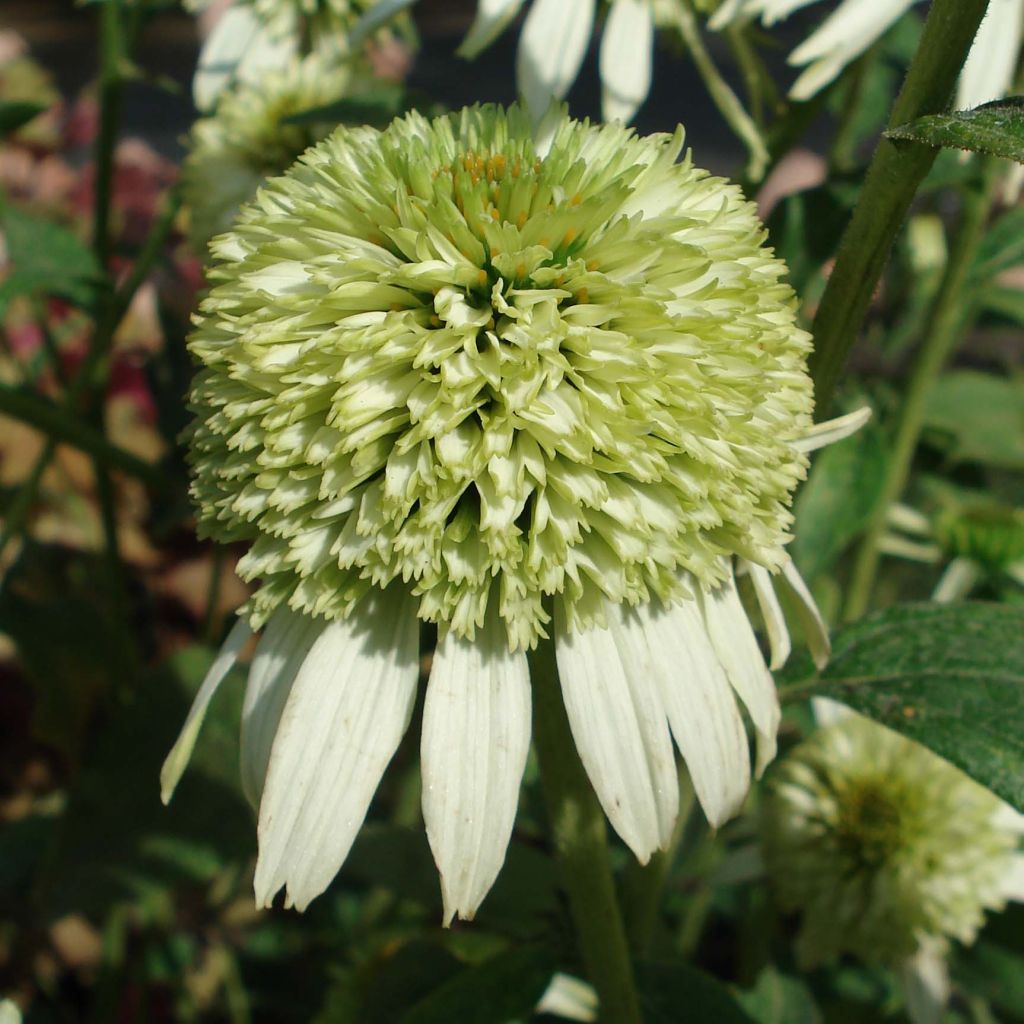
(581, 842)
(728, 103)
(944, 328)
(64, 427)
(645, 884)
(111, 88)
(895, 172)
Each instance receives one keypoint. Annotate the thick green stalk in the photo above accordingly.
(896, 171)
(581, 842)
(945, 327)
(111, 57)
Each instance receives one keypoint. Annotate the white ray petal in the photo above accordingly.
(992, 62)
(345, 716)
(815, 628)
(770, 11)
(620, 729)
(904, 517)
(279, 655)
(925, 981)
(176, 761)
(830, 431)
(1015, 570)
(957, 581)
(771, 612)
(569, 998)
(627, 48)
(492, 16)
(476, 735)
(700, 705)
(736, 646)
(1013, 882)
(900, 547)
(551, 49)
(850, 29)
(828, 712)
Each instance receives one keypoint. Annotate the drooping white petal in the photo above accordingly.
(222, 50)
(925, 981)
(699, 702)
(903, 517)
(569, 998)
(957, 581)
(551, 49)
(770, 11)
(992, 63)
(842, 37)
(344, 718)
(279, 655)
(771, 612)
(476, 735)
(830, 431)
(619, 725)
(815, 628)
(627, 47)
(176, 761)
(492, 16)
(736, 646)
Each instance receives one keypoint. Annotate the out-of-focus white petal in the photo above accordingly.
(239, 47)
(700, 705)
(1013, 883)
(344, 718)
(771, 612)
(476, 735)
(829, 712)
(620, 729)
(957, 581)
(830, 431)
(278, 657)
(992, 63)
(551, 49)
(627, 47)
(175, 762)
(770, 11)
(1015, 570)
(926, 984)
(903, 517)
(492, 16)
(569, 998)
(842, 37)
(379, 14)
(736, 646)
(815, 628)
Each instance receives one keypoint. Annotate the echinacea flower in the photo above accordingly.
(249, 139)
(856, 25)
(887, 852)
(448, 377)
(974, 540)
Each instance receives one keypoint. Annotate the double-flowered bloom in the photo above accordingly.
(523, 394)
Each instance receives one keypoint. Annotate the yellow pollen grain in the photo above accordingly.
(495, 215)
(570, 235)
(521, 270)
(592, 265)
(583, 295)
(435, 320)
(481, 276)
(521, 219)
(576, 200)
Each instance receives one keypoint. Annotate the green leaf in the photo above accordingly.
(504, 988)
(779, 999)
(977, 417)
(841, 492)
(1002, 248)
(668, 987)
(948, 676)
(1004, 302)
(46, 259)
(15, 114)
(993, 128)
(996, 973)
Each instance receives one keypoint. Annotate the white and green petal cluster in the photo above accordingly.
(434, 356)
(883, 848)
(248, 139)
(855, 25)
(449, 376)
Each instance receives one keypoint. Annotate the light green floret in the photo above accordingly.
(881, 845)
(431, 354)
(248, 139)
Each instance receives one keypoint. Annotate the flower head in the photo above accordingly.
(249, 138)
(450, 376)
(883, 847)
(434, 356)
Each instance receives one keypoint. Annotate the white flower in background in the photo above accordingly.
(569, 999)
(448, 377)
(554, 41)
(10, 1013)
(974, 541)
(252, 37)
(887, 852)
(248, 140)
(855, 25)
